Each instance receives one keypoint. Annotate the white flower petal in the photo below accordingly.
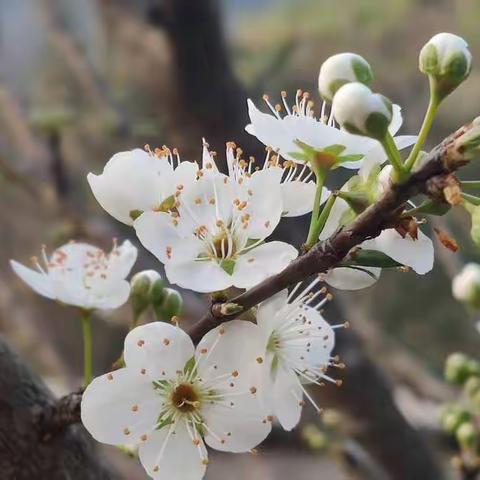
(119, 407)
(287, 395)
(37, 281)
(131, 181)
(264, 203)
(158, 349)
(267, 318)
(397, 119)
(198, 275)
(169, 454)
(345, 278)
(261, 262)
(233, 353)
(298, 197)
(122, 260)
(417, 254)
(161, 237)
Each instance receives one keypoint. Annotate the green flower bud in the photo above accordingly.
(466, 285)
(466, 435)
(141, 286)
(340, 69)
(360, 111)
(453, 416)
(458, 368)
(447, 60)
(472, 386)
(170, 306)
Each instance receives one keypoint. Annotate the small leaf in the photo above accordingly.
(134, 214)
(432, 208)
(373, 258)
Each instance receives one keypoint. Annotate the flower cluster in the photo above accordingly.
(211, 231)
(171, 399)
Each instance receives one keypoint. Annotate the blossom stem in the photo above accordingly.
(430, 114)
(393, 154)
(470, 185)
(312, 236)
(86, 317)
(322, 219)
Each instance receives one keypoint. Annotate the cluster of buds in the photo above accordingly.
(147, 289)
(461, 419)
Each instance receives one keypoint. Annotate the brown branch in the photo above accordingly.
(429, 179)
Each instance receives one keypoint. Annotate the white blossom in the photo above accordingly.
(214, 238)
(82, 275)
(340, 69)
(298, 123)
(172, 399)
(138, 181)
(298, 344)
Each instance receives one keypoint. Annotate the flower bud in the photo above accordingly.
(360, 111)
(141, 286)
(447, 60)
(466, 285)
(466, 435)
(472, 386)
(453, 416)
(170, 306)
(459, 368)
(341, 69)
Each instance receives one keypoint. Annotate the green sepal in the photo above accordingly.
(189, 366)
(228, 265)
(134, 214)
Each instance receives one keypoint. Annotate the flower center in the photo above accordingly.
(185, 398)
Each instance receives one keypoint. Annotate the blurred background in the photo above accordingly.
(81, 80)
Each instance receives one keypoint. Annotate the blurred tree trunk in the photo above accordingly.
(24, 455)
(207, 99)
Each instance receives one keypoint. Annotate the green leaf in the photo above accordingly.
(372, 258)
(432, 208)
(228, 265)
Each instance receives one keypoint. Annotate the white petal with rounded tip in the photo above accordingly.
(131, 181)
(345, 278)
(37, 281)
(397, 119)
(160, 348)
(161, 237)
(236, 349)
(122, 260)
(298, 197)
(261, 262)
(269, 312)
(417, 254)
(287, 394)
(119, 407)
(239, 423)
(198, 275)
(264, 203)
(169, 454)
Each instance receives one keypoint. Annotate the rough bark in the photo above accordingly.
(26, 453)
